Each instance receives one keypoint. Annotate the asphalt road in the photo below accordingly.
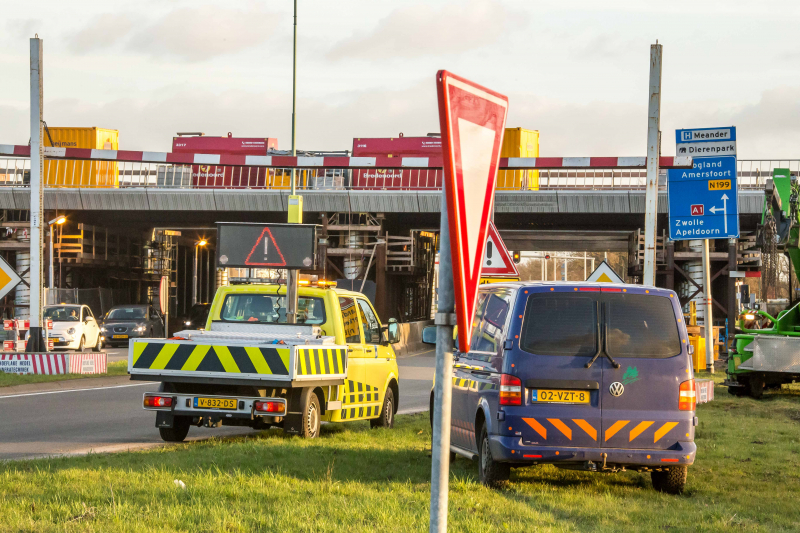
(105, 414)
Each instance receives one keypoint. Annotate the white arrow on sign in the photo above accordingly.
(724, 210)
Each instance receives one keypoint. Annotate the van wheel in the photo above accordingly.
(672, 480)
(311, 416)
(178, 431)
(755, 387)
(490, 472)
(386, 419)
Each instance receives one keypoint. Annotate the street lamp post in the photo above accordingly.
(197, 246)
(56, 221)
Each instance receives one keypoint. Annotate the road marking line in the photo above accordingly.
(76, 390)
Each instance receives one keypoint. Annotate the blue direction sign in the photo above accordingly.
(703, 200)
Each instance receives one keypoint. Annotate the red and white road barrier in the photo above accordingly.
(34, 363)
(13, 346)
(277, 161)
(704, 388)
(88, 363)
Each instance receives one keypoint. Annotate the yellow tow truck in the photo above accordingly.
(250, 368)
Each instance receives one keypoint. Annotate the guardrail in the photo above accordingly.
(83, 168)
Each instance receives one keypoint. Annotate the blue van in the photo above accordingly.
(586, 376)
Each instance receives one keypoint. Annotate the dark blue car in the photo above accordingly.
(585, 376)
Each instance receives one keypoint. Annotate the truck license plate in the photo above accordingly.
(560, 396)
(119, 336)
(215, 403)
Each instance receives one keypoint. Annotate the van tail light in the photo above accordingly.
(688, 397)
(510, 390)
(269, 407)
(157, 401)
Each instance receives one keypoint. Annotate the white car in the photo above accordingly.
(74, 327)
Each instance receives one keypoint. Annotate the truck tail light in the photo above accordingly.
(269, 407)
(157, 401)
(510, 390)
(688, 397)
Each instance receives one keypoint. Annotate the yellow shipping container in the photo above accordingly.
(62, 173)
(519, 142)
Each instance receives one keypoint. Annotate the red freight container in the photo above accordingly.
(397, 178)
(238, 177)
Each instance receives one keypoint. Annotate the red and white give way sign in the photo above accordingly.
(472, 120)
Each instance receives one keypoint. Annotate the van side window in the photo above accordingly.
(350, 320)
(369, 323)
(641, 326)
(476, 321)
(492, 323)
(560, 324)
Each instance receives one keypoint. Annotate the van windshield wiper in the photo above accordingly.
(598, 342)
(604, 349)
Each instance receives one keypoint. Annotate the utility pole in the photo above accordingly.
(37, 162)
(709, 323)
(653, 153)
(295, 202)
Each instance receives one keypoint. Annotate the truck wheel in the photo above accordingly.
(178, 431)
(386, 418)
(755, 386)
(490, 472)
(311, 416)
(672, 480)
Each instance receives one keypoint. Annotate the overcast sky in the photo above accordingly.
(575, 70)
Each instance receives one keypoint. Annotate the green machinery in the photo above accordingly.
(768, 358)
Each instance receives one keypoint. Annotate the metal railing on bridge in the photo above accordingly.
(118, 169)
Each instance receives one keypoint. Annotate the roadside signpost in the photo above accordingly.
(497, 262)
(604, 274)
(472, 120)
(704, 200)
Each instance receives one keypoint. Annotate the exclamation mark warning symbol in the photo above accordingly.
(277, 259)
(489, 253)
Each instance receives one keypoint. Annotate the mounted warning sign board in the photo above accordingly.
(497, 262)
(472, 120)
(604, 274)
(8, 278)
(278, 246)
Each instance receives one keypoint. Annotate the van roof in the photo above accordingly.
(568, 284)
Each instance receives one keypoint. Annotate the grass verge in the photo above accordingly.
(119, 368)
(746, 478)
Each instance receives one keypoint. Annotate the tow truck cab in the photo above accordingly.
(250, 368)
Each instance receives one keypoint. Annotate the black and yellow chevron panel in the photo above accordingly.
(367, 411)
(321, 361)
(210, 358)
(357, 392)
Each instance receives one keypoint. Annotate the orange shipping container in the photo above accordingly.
(519, 142)
(62, 173)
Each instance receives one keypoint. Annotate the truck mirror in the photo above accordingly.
(429, 335)
(393, 331)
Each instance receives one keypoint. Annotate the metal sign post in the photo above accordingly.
(37, 161)
(653, 153)
(709, 323)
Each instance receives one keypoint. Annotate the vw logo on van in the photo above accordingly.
(616, 389)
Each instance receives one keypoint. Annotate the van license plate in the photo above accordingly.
(559, 396)
(119, 336)
(215, 403)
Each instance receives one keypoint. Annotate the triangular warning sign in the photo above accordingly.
(8, 278)
(472, 120)
(496, 259)
(265, 252)
(604, 274)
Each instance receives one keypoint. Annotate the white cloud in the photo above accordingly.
(102, 32)
(423, 30)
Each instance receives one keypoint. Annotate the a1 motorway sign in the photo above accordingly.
(703, 200)
(473, 119)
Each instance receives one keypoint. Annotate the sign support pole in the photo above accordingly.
(37, 160)
(709, 324)
(443, 388)
(653, 152)
(292, 277)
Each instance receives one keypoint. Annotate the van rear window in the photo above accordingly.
(560, 324)
(641, 326)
